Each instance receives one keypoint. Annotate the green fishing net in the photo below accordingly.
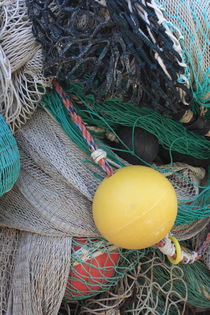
(96, 266)
(114, 112)
(152, 286)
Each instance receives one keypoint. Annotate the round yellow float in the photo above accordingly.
(135, 208)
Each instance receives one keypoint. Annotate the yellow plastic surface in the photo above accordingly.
(135, 208)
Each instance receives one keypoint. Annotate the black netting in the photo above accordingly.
(118, 50)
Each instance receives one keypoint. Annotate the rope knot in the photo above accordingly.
(98, 155)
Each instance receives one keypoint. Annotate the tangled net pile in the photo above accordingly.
(153, 286)
(50, 203)
(49, 245)
(110, 114)
(131, 52)
(192, 18)
(22, 83)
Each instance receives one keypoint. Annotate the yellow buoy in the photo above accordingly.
(135, 208)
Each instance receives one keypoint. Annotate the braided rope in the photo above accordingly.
(167, 248)
(85, 133)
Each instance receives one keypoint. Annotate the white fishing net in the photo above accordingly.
(54, 192)
(21, 80)
(34, 271)
(185, 179)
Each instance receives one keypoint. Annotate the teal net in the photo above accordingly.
(96, 266)
(192, 20)
(114, 113)
(9, 158)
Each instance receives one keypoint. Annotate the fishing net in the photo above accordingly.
(193, 198)
(153, 287)
(50, 203)
(139, 56)
(132, 52)
(114, 113)
(199, 238)
(97, 266)
(21, 80)
(34, 271)
(9, 158)
(192, 18)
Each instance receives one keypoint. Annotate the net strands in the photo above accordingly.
(190, 207)
(96, 266)
(199, 238)
(152, 286)
(86, 135)
(22, 83)
(192, 19)
(46, 173)
(114, 112)
(34, 270)
(131, 52)
(9, 158)
(49, 204)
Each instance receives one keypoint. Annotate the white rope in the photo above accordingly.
(98, 155)
(101, 2)
(168, 249)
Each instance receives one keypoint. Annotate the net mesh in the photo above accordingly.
(50, 183)
(192, 18)
(152, 287)
(21, 80)
(114, 113)
(131, 52)
(96, 267)
(34, 271)
(9, 158)
(193, 198)
(199, 238)
(53, 198)
(51, 202)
